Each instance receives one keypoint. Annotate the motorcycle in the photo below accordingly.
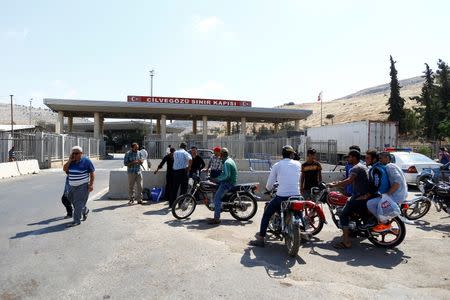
(290, 224)
(336, 201)
(438, 193)
(312, 212)
(240, 201)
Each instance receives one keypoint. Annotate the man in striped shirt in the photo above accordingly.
(80, 171)
(133, 160)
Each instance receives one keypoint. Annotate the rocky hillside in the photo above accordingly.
(367, 104)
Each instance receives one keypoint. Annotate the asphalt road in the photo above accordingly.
(141, 252)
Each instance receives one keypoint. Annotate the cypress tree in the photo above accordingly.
(443, 94)
(395, 102)
(429, 109)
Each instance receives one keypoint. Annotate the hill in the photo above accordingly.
(366, 104)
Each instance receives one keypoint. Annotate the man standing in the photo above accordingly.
(359, 180)
(226, 181)
(80, 171)
(168, 158)
(145, 158)
(215, 164)
(133, 160)
(12, 154)
(444, 156)
(197, 162)
(311, 174)
(182, 162)
(287, 173)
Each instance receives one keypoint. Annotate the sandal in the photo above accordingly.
(341, 245)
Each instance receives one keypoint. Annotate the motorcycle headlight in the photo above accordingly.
(191, 182)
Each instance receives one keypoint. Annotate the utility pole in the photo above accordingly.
(12, 117)
(30, 109)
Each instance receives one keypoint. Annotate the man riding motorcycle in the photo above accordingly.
(226, 181)
(287, 173)
(360, 190)
(399, 188)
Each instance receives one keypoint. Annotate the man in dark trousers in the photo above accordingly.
(182, 162)
(311, 174)
(197, 162)
(168, 158)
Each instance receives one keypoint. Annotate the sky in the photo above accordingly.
(268, 52)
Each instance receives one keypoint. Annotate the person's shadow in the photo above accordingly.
(273, 257)
(48, 221)
(426, 226)
(361, 254)
(45, 230)
(203, 224)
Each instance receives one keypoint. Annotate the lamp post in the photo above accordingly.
(30, 109)
(12, 117)
(152, 73)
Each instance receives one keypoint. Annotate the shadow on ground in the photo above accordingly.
(273, 257)
(361, 254)
(426, 226)
(45, 230)
(203, 224)
(46, 222)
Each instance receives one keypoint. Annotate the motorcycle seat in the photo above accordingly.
(242, 187)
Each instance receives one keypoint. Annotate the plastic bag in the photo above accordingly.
(387, 209)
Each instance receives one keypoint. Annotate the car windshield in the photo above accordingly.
(410, 158)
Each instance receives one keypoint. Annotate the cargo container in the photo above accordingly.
(365, 134)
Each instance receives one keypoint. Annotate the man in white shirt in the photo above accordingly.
(145, 158)
(287, 173)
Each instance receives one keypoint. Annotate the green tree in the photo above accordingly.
(443, 93)
(395, 102)
(411, 122)
(429, 105)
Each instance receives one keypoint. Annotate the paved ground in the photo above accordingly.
(128, 252)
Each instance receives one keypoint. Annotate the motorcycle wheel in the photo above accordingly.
(248, 209)
(398, 232)
(314, 220)
(183, 206)
(292, 239)
(417, 210)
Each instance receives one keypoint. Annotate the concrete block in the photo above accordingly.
(9, 169)
(28, 166)
(118, 180)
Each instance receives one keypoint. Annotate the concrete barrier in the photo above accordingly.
(9, 169)
(118, 180)
(28, 166)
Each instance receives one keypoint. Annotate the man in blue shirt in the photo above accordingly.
(80, 171)
(133, 160)
(182, 162)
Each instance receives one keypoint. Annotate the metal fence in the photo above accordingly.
(247, 147)
(47, 147)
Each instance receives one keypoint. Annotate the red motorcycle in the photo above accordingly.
(312, 213)
(391, 237)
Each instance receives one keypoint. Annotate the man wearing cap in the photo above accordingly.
(80, 171)
(182, 162)
(133, 160)
(215, 164)
(226, 181)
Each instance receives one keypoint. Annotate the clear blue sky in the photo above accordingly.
(270, 52)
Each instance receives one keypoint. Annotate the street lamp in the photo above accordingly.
(152, 73)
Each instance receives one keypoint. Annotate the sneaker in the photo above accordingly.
(382, 227)
(67, 217)
(73, 224)
(85, 214)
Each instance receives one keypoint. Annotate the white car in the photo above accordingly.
(412, 164)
